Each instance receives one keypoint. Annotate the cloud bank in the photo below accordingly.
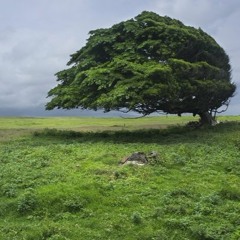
(37, 37)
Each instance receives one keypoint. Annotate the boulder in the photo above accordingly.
(137, 158)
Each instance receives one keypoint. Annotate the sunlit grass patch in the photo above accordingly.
(62, 184)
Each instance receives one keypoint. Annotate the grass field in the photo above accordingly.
(60, 179)
(93, 124)
(88, 123)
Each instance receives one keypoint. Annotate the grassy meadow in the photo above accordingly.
(61, 179)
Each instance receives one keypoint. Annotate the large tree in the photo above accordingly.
(147, 64)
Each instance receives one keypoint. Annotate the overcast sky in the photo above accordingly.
(37, 37)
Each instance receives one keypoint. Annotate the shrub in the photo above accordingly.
(9, 190)
(231, 193)
(74, 204)
(27, 202)
(136, 218)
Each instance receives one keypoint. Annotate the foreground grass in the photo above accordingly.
(64, 184)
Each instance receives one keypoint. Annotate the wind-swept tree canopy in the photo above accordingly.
(146, 64)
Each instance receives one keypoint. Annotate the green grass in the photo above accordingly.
(89, 123)
(94, 123)
(61, 179)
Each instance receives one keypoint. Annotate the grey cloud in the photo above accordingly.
(37, 37)
(28, 65)
(198, 12)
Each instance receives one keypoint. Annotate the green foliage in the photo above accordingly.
(136, 218)
(74, 204)
(65, 184)
(146, 64)
(27, 202)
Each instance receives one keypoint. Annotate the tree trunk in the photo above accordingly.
(207, 119)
